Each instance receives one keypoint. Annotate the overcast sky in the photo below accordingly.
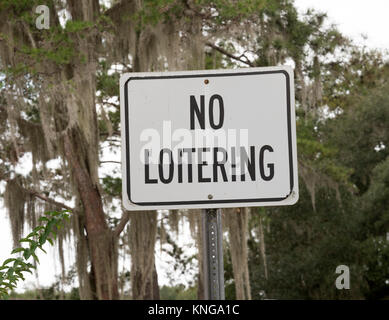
(353, 17)
(356, 17)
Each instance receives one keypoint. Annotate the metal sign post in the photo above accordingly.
(213, 254)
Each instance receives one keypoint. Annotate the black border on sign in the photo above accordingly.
(291, 176)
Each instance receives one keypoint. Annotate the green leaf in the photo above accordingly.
(27, 253)
(27, 240)
(9, 285)
(16, 263)
(40, 247)
(33, 233)
(39, 228)
(8, 261)
(35, 257)
(34, 245)
(43, 219)
(20, 275)
(10, 272)
(17, 250)
(56, 213)
(43, 238)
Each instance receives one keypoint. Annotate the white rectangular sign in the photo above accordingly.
(208, 139)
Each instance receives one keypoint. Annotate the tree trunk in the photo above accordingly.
(142, 236)
(144, 281)
(100, 238)
(237, 223)
(152, 288)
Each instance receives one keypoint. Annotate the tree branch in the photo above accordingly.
(123, 221)
(230, 55)
(112, 104)
(44, 198)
